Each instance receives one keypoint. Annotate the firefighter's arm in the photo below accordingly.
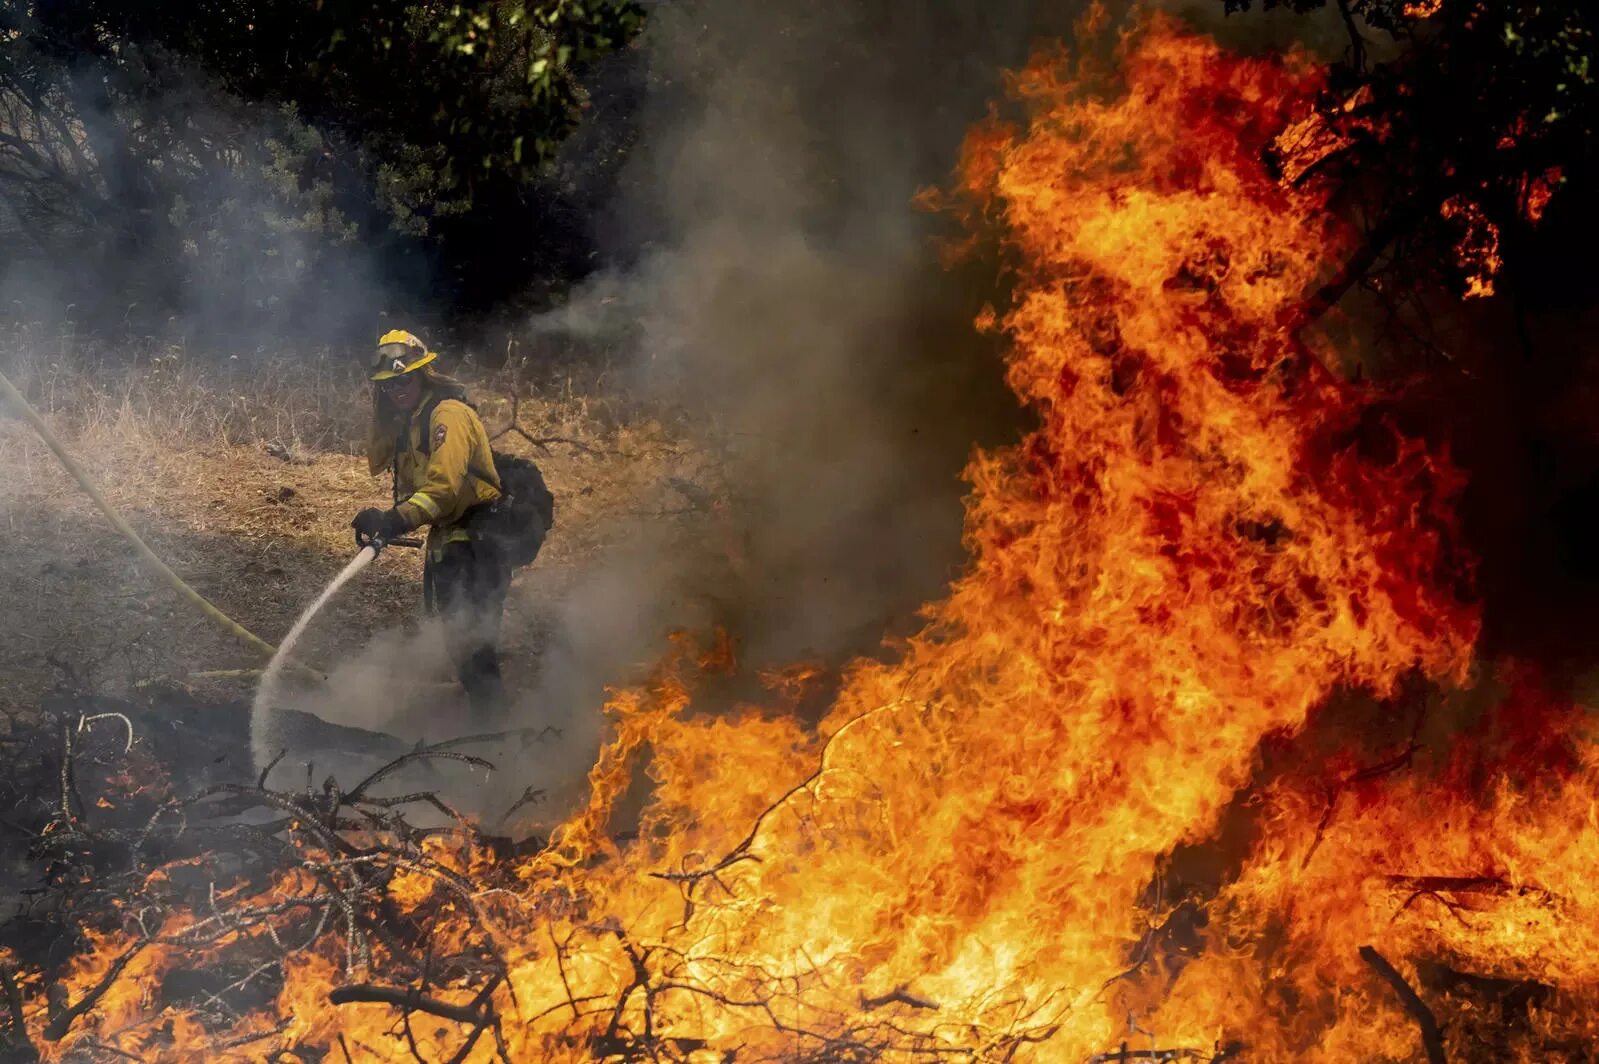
(446, 478)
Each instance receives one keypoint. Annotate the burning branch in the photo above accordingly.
(1462, 885)
(741, 852)
(410, 1000)
(900, 996)
(1401, 761)
(478, 1012)
(1400, 220)
(62, 1021)
(346, 849)
(1125, 1055)
(1435, 887)
(18, 1030)
(1431, 1038)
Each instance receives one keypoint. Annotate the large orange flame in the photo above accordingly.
(1207, 537)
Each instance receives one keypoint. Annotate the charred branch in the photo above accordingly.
(479, 1012)
(1461, 885)
(343, 849)
(62, 1021)
(690, 880)
(13, 994)
(1394, 764)
(1445, 889)
(1125, 1054)
(260, 781)
(411, 1000)
(1399, 220)
(898, 996)
(1515, 1000)
(425, 754)
(258, 1036)
(16, 1038)
(1431, 1038)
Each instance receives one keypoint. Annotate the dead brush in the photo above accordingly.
(209, 442)
(162, 396)
(145, 395)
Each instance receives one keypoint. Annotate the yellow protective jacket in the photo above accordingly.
(438, 483)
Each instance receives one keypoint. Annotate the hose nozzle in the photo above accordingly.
(377, 543)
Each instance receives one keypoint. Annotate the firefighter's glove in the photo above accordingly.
(373, 523)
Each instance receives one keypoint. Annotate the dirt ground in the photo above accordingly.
(259, 531)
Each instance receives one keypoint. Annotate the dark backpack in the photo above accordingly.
(521, 517)
(523, 514)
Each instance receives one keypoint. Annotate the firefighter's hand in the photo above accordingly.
(367, 523)
(373, 523)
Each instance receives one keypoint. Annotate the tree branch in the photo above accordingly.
(61, 1022)
(1431, 1038)
(410, 1000)
(1357, 43)
(1396, 223)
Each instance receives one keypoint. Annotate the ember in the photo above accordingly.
(1209, 546)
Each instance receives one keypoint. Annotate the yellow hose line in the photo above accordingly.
(148, 556)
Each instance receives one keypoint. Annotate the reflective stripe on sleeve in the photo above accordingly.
(426, 504)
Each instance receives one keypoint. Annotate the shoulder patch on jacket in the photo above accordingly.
(439, 432)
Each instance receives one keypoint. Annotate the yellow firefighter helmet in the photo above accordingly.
(399, 352)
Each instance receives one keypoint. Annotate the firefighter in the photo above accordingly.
(428, 436)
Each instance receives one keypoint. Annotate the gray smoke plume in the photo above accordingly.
(775, 283)
(174, 212)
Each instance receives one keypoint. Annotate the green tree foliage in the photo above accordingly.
(258, 140)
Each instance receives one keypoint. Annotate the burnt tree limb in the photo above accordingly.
(412, 1000)
(1462, 885)
(898, 996)
(1400, 761)
(62, 1021)
(1399, 220)
(1431, 1037)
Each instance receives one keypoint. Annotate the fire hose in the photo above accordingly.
(149, 557)
(146, 555)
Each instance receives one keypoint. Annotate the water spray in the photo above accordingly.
(262, 735)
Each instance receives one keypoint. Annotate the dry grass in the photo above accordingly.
(311, 403)
(244, 477)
